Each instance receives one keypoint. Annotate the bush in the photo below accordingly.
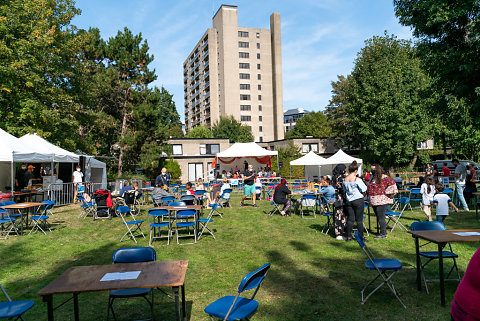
(173, 168)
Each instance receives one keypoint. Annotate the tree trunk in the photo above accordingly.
(412, 162)
(122, 135)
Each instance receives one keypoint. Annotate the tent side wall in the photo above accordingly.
(5, 176)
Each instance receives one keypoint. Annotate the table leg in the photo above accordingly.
(368, 213)
(177, 303)
(49, 300)
(184, 304)
(75, 307)
(417, 258)
(476, 206)
(440, 268)
(21, 222)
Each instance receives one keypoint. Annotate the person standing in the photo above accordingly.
(77, 178)
(428, 191)
(460, 180)
(29, 176)
(20, 177)
(445, 175)
(381, 191)
(249, 185)
(354, 205)
(163, 179)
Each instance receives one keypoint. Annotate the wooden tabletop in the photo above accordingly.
(80, 279)
(175, 208)
(22, 205)
(446, 236)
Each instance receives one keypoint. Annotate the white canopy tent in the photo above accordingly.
(314, 165)
(340, 157)
(238, 153)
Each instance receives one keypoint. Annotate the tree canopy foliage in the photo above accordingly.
(199, 131)
(229, 127)
(313, 124)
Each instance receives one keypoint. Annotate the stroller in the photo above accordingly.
(104, 203)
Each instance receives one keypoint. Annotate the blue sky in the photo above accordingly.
(320, 38)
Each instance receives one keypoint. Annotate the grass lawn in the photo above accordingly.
(313, 276)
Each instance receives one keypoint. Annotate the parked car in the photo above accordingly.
(450, 165)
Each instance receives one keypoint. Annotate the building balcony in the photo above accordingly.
(207, 84)
(204, 44)
(206, 74)
(206, 63)
(205, 54)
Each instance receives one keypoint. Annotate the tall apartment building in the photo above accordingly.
(236, 71)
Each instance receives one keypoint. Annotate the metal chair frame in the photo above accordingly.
(14, 309)
(181, 221)
(156, 214)
(204, 222)
(308, 197)
(395, 216)
(123, 211)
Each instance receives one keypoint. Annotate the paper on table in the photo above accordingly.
(467, 233)
(118, 276)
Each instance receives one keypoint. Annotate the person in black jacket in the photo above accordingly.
(280, 196)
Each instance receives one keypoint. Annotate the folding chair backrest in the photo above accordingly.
(185, 213)
(404, 200)
(8, 203)
(122, 210)
(134, 254)
(309, 196)
(227, 191)
(428, 226)
(49, 206)
(214, 207)
(177, 204)
(254, 279)
(200, 192)
(129, 197)
(359, 239)
(157, 212)
(187, 198)
(167, 199)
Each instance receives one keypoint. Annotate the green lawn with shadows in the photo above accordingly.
(313, 276)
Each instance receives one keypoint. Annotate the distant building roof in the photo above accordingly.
(295, 112)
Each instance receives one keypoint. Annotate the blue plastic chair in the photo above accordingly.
(225, 197)
(88, 208)
(415, 196)
(204, 221)
(40, 218)
(165, 200)
(132, 226)
(157, 215)
(237, 307)
(327, 211)
(8, 224)
(131, 255)
(188, 199)
(308, 200)
(182, 218)
(386, 269)
(13, 309)
(403, 202)
(433, 255)
(181, 203)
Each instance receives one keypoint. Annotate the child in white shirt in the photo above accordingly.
(442, 201)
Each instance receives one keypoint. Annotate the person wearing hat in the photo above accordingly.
(29, 175)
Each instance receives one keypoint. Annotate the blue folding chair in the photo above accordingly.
(185, 219)
(166, 199)
(8, 224)
(327, 211)
(158, 216)
(386, 269)
(308, 201)
(416, 196)
(177, 203)
(88, 208)
(188, 199)
(132, 255)
(225, 198)
(394, 217)
(433, 255)
(132, 226)
(200, 196)
(13, 310)
(40, 218)
(237, 307)
(204, 222)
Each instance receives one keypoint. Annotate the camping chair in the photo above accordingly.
(327, 211)
(156, 215)
(204, 222)
(13, 310)
(182, 221)
(308, 200)
(131, 255)
(386, 269)
(395, 216)
(433, 255)
(132, 226)
(40, 218)
(101, 209)
(237, 307)
(8, 224)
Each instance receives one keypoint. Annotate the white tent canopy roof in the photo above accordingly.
(341, 157)
(310, 159)
(246, 150)
(13, 149)
(59, 154)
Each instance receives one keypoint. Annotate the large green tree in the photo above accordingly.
(229, 127)
(449, 42)
(343, 133)
(199, 131)
(313, 124)
(385, 102)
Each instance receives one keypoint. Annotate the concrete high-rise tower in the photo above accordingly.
(236, 71)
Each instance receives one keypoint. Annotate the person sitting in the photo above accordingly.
(137, 189)
(159, 192)
(125, 188)
(200, 187)
(190, 190)
(327, 190)
(398, 181)
(309, 189)
(258, 188)
(226, 185)
(280, 196)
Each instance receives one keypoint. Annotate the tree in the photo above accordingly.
(229, 127)
(286, 155)
(449, 38)
(342, 131)
(199, 131)
(385, 101)
(313, 124)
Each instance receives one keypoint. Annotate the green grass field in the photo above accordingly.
(313, 276)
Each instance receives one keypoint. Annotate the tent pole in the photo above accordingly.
(12, 180)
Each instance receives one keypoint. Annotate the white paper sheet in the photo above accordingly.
(466, 233)
(118, 276)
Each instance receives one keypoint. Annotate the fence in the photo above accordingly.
(64, 193)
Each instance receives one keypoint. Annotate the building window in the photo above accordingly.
(260, 128)
(243, 34)
(244, 76)
(259, 77)
(422, 145)
(207, 149)
(245, 118)
(259, 87)
(195, 171)
(258, 56)
(245, 107)
(258, 34)
(260, 118)
(307, 147)
(243, 55)
(258, 45)
(177, 149)
(244, 65)
(243, 44)
(259, 107)
(258, 66)
(244, 97)
(259, 97)
(245, 86)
